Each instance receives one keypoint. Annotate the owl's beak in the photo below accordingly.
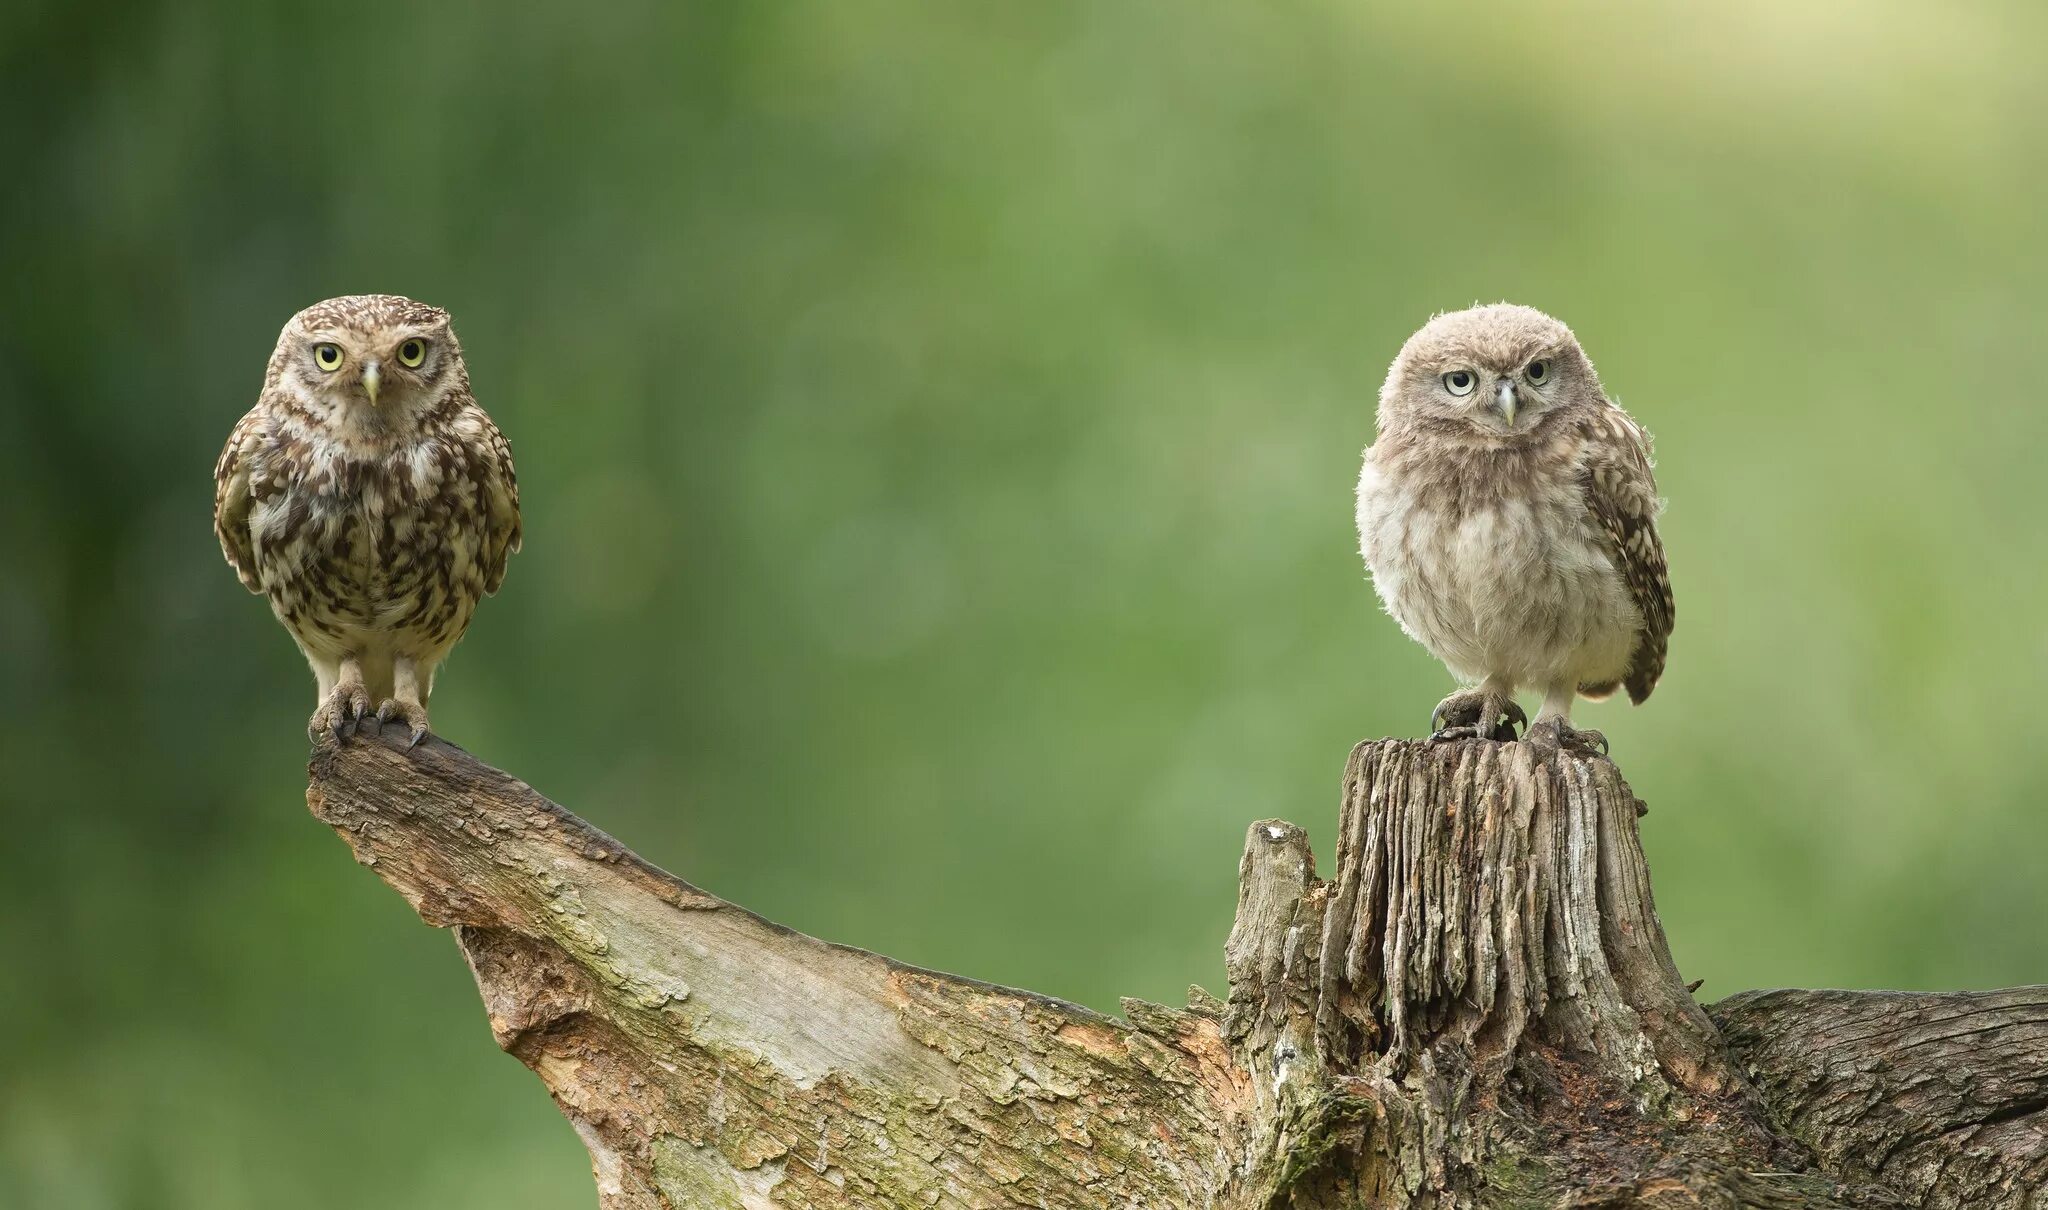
(1504, 399)
(370, 381)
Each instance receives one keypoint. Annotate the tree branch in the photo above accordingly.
(1943, 1097)
(708, 1057)
(1477, 1009)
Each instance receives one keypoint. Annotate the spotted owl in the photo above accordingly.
(1509, 518)
(371, 500)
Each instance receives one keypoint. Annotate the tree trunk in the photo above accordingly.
(1477, 1010)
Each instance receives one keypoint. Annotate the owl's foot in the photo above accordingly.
(348, 705)
(412, 714)
(1553, 733)
(1476, 714)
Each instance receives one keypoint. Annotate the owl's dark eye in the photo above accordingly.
(1539, 371)
(412, 353)
(327, 357)
(1460, 382)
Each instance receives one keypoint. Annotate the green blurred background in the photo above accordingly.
(937, 428)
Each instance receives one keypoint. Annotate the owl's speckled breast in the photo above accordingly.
(362, 553)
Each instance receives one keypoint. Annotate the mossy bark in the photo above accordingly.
(1477, 1009)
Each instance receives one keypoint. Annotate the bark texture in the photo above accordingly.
(1476, 1009)
(1941, 1097)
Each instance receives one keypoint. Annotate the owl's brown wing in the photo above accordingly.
(1621, 494)
(501, 512)
(231, 499)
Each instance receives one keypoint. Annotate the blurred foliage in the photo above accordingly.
(937, 428)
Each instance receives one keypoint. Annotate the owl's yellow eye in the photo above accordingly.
(327, 357)
(1539, 371)
(1460, 382)
(412, 353)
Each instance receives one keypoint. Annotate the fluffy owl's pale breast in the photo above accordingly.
(1497, 574)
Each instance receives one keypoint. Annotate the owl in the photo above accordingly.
(371, 500)
(1509, 519)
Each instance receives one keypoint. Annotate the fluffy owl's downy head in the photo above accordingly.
(369, 362)
(1496, 370)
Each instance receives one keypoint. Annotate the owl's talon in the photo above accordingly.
(1552, 734)
(412, 714)
(1477, 714)
(1458, 712)
(344, 708)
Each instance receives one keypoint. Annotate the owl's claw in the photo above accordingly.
(1477, 714)
(412, 714)
(1553, 733)
(347, 706)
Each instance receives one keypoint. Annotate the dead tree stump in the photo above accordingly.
(1478, 1009)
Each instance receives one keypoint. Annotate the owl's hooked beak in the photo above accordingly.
(370, 381)
(1504, 400)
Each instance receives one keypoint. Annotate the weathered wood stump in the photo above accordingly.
(1477, 1010)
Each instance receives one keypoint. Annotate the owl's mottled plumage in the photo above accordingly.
(370, 499)
(1509, 517)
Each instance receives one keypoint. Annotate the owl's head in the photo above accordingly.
(1497, 369)
(370, 360)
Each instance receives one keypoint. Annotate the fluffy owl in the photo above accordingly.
(371, 500)
(1509, 519)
